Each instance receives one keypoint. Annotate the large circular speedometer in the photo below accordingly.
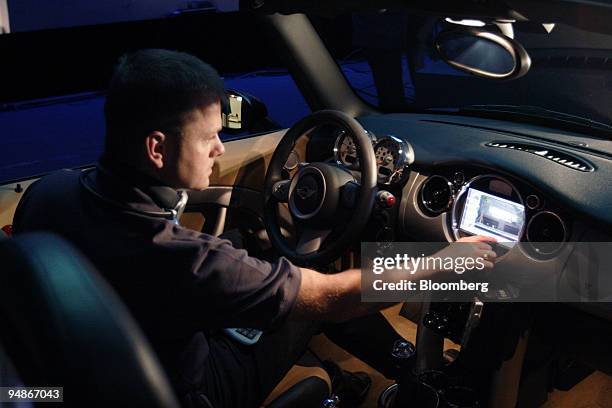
(393, 156)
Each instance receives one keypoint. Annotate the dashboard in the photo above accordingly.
(428, 159)
(469, 199)
(549, 189)
(453, 176)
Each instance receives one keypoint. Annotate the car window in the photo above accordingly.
(53, 81)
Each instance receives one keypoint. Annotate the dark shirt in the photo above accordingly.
(180, 284)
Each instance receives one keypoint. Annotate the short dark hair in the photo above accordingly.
(154, 89)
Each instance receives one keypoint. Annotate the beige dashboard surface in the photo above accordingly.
(9, 198)
(245, 161)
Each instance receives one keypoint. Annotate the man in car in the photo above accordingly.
(163, 116)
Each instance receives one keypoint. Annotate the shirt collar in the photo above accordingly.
(123, 183)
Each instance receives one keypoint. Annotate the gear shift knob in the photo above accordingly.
(331, 402)
(403, 349)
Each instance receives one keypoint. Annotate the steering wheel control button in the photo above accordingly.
(385, 199)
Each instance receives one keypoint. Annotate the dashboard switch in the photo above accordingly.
(385, 199)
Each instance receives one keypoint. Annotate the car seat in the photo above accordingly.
(63, 325)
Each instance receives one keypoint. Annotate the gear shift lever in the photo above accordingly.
(408, 391)
(403, 353)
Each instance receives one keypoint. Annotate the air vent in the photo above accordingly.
(436, 195)
(546, 232)
(559, 157)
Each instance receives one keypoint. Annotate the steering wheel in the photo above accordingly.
(324, 199)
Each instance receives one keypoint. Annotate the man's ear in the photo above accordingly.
(155, 148)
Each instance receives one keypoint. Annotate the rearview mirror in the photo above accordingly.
(483, 53)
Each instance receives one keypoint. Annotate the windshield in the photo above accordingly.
(389, 59)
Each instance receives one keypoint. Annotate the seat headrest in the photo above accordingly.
(63, 325)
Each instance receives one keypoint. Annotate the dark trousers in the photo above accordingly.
(243, 376)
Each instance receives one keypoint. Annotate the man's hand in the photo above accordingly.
(479, 248)
(337, 297)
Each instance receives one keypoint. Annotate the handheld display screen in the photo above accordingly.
(486, 214)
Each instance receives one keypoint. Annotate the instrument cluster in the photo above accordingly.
(393, 156)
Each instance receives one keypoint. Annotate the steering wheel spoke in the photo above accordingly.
(310, 240)
(280, 191)
(349, 194)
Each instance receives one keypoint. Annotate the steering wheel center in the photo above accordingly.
(307, 193)
(315, 194)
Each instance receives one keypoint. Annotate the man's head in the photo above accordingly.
(163, 115)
